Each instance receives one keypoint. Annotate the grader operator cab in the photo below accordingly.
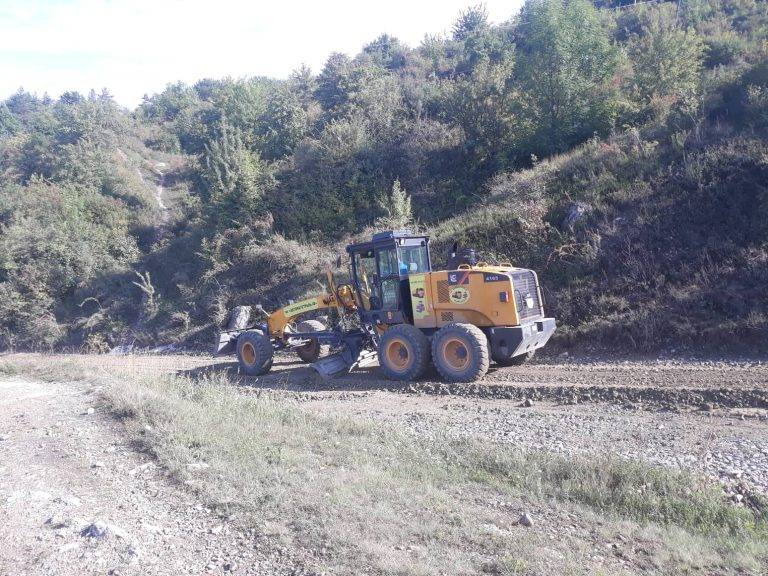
(400, 309)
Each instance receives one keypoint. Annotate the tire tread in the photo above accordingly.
(480, 352)
(420, 345)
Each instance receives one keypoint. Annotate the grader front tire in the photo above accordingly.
(254, 352)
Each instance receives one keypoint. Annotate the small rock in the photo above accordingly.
(3, 437)
(527, 403)
(216, 529)
(526, 520)
(39, 496)
(141, 468)
(97, 464)
(90, 411)
(99, 530)
(151, 528)
(230, 566)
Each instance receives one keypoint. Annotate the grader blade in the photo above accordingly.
(331, 365)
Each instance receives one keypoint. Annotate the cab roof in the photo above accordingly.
(384, 237)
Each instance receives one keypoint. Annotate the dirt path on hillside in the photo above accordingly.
(77, 499)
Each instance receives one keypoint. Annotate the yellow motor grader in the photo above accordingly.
(409, 315)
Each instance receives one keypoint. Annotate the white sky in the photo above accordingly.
(133, 47)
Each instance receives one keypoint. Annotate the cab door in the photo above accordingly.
(388, 278)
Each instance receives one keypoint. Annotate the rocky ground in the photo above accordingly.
(77, 498)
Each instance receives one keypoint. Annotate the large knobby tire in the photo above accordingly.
(312, 350)
(403, 352)
(460, 352)
(514, 360)
(254, 352)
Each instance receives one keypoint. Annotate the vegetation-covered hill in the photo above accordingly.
(621, 151)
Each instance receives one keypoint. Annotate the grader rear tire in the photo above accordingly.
(254, 352)
(460, 352)
(312, 350)
(403, 352)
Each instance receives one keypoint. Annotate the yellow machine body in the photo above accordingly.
(479, 295)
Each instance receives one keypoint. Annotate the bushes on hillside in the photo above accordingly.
(666, 106)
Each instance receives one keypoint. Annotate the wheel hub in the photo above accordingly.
(398, 355)
(456, 354)
(249, 354)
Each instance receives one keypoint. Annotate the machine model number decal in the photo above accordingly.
(459, 295)
(488, 277)
(458, 278)
(300, 307)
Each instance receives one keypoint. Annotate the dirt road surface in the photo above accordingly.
(77, 498)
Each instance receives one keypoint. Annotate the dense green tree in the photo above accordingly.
(303, 84)
(471, 22)
(235, 179)
(667, 63)
(567, 67)
(332, 83)
(396, 207)
(282, 124)
(387, 52)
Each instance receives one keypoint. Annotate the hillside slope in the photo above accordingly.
(633, 179)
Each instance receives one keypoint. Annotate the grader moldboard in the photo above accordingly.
(400, 309)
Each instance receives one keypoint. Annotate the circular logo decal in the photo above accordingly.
(459, 295)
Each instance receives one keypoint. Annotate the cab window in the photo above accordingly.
(413, 256)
